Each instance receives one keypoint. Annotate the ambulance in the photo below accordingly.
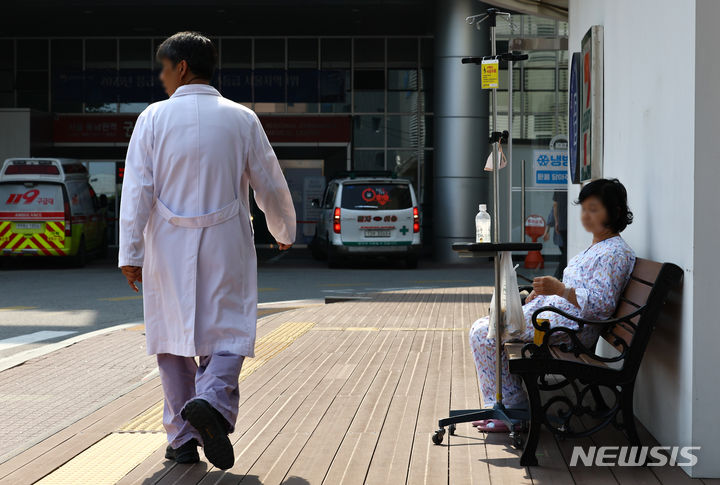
(48, 208)
(366, 214)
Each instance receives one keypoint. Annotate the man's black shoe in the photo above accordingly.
(221, 418)
(185, 453)
(216, 444)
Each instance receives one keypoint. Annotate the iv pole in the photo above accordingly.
(498, 411)
(495, 139)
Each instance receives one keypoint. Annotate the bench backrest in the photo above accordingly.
(649, 286)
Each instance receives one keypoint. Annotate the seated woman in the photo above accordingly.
(590, 288)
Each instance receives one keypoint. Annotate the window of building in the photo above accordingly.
(539, 83)
(31, 78)
(7, 73)
(334, 76)
(66, 66)
(384, 83)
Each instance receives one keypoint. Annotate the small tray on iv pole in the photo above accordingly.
(491, 249)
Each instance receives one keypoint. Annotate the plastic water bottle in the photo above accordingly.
(482, 225)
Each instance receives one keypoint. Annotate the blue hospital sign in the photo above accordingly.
(550, 168)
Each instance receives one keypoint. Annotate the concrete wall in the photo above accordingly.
(25, 132)
(15, 130)
(706, 234)
(652, 111)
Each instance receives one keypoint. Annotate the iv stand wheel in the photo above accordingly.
(437, 437)
(516, 440)
(451, 429)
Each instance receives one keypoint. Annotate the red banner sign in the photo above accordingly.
(93, 128)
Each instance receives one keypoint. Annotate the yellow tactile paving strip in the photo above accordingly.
(107, 461)
(141, 326)
(114, 456)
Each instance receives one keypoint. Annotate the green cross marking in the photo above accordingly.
(404, 230)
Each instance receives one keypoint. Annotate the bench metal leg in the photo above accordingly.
(626, 406)
(600, 404)
(529, 457)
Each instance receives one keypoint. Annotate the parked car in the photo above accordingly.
(368, 214)
(48, 208)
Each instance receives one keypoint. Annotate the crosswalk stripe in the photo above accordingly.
(32, 337)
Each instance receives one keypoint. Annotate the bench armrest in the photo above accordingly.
(576, 346)
(581, 321)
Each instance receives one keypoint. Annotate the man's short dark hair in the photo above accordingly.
(196, 49)
(613, 196)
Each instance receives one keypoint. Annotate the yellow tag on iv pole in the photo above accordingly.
(490, 73)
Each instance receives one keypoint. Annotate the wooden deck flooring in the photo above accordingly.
(355, 399)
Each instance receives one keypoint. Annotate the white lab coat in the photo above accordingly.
(184, 218)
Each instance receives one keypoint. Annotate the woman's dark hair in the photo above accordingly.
(196, 49)
(613, 196)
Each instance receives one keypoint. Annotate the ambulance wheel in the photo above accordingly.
(333, 258)
(102, 251)
(80, 257)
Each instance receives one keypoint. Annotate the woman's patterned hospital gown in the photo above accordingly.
(599, 275)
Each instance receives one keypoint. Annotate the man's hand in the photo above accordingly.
(133, 274)
(283, 247)
(531, 297)
(547, 285)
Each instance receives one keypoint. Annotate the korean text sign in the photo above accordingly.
(550, 168)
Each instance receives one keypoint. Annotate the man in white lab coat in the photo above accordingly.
(187, 236)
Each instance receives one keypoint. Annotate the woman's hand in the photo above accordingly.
(548, 285)
(531, 297)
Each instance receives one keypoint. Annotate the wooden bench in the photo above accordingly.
(581, 372)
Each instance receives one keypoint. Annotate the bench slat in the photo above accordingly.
(625, 308)
(514, 351)
(636, 292)
(646, 270)
(622, 330)
(621, 333)
(582, 358)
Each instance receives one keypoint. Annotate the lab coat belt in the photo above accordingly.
(204, 220)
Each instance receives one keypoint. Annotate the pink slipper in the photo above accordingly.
(494, 426)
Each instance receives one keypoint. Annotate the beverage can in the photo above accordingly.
(540, 334)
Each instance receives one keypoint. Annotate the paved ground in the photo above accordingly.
(43, 304)
(42, 301)
(51, 392)
(337, 394)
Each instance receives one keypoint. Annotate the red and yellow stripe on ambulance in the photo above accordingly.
(32, 232)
